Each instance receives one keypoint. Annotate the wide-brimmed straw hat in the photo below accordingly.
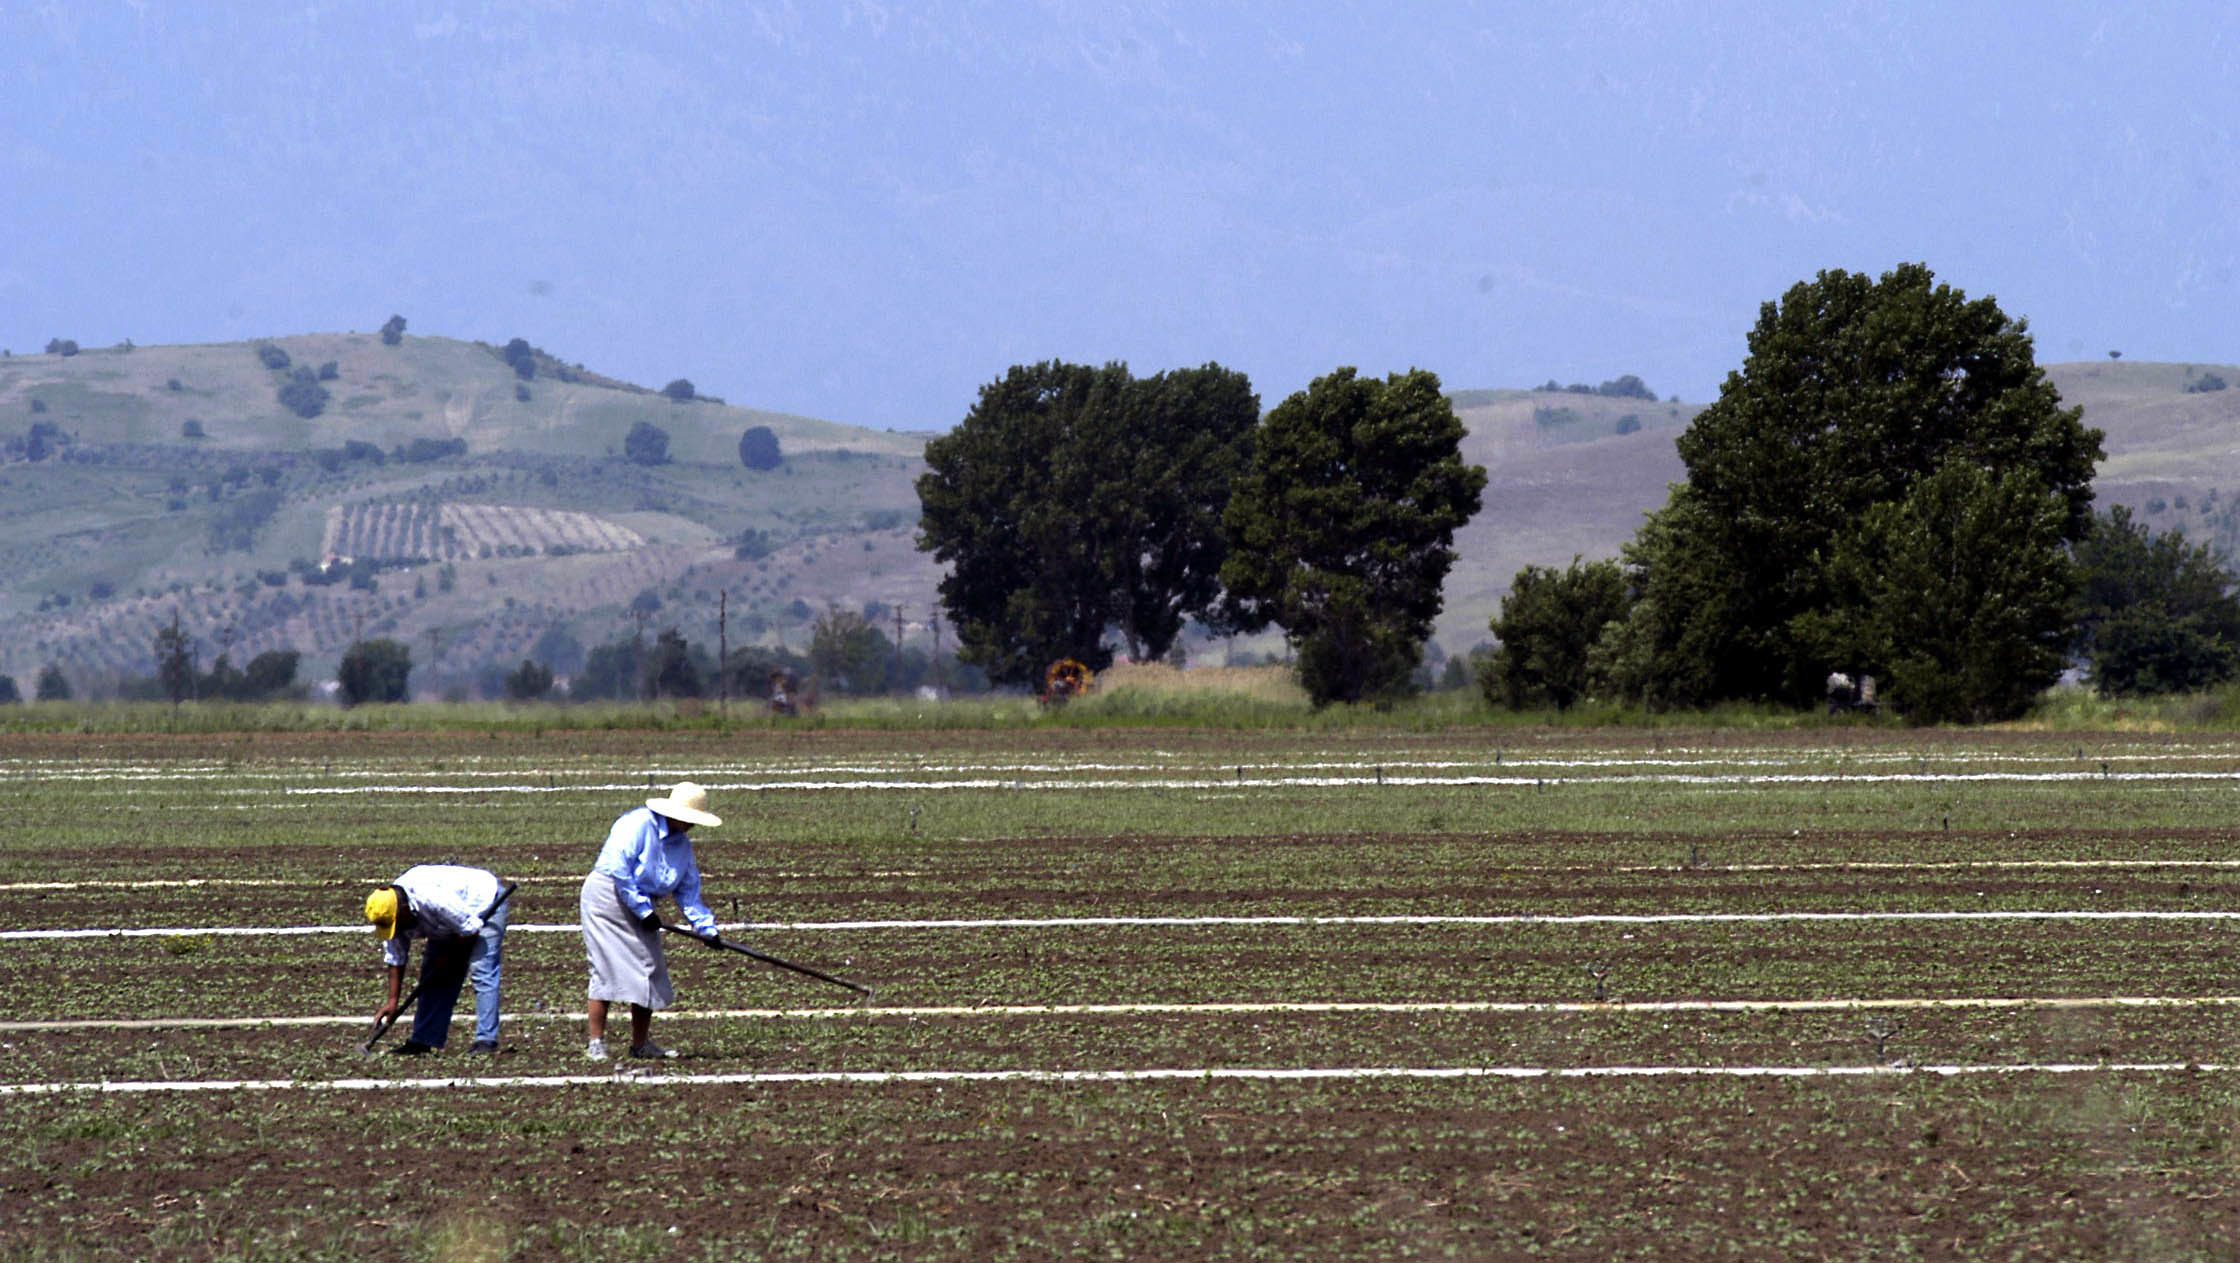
(381, 909)
(687, 802)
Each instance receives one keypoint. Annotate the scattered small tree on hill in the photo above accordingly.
(9, 694)
(303, 395)
(53, 685)
(2207, 383)
(758, 449)
(392, 332)
(64, 347)
(329, 371)
(646, 444)
(274, 358)
(679, 390)
(191, 429)
(375, 671)
(522, 357)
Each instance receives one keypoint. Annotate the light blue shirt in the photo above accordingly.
(648, 860)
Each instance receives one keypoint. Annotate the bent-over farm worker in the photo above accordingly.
(648, 856)
(461, 914)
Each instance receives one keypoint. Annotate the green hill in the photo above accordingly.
(498, 514)
(173, 480)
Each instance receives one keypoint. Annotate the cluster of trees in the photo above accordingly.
(1888, 485)
(848, 654)
(1626, 387)
(52, 686)
(1074, 504)
(268, 676)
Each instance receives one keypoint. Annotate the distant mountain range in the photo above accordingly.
(483, 505)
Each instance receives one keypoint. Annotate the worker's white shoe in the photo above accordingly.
(596, 1050)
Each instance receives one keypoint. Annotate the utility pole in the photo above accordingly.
(934, 619)
(723, 650)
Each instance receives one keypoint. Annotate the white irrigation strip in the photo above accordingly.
(1166, 762)
(1820, 866)
(322, 883)
(1262, 781)
(1209, 1009)
(1041, 923)
(1208, 1074)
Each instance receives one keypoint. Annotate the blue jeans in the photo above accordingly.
(444, 967)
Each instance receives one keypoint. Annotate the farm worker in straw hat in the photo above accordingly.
(461, 912)
(648, 855)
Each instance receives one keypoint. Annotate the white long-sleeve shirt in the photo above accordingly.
(448, 901)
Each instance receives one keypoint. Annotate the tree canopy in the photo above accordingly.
(53, 685)
(1072, 501)
(1547, 625)
(848, 652)
(758, 449)
(646, 444)
(375, 671)
(1341, 528)
(1854, 392)
(2155, 614)
(1959, 596)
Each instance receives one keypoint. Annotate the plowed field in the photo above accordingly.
(1148, 995)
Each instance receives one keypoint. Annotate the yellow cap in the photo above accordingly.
(381, 909)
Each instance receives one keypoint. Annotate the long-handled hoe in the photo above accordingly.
(768, 959)
(381, 1026)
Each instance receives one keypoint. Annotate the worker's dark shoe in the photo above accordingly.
(412, 1048)
(484, 1046)
(651, 1051)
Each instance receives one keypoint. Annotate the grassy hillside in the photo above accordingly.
(177, 483)
(540, 523)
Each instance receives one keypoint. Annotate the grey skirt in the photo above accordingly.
(627, 963)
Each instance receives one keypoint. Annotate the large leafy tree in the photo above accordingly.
(1548, 624)
(1341, 530)
(848, 651)
(2156, 614)
(377, 670)
(670, 670)
(1854, 391)
(1962, 592)
(1073, 502)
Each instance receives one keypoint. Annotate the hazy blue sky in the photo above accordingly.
(864, 211)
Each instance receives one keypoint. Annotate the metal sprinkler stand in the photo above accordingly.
(1880, 1030)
